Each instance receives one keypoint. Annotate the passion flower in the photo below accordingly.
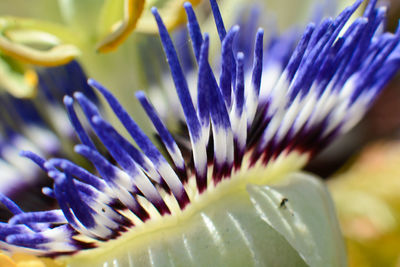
(201, 196)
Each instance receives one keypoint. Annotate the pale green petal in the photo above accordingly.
(244, 227)
(302, 211)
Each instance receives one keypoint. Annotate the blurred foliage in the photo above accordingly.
(25, 260)
(368, 205)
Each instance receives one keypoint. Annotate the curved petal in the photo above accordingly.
(132, 11)
(249, 219)
(301, 209)
(57, 54)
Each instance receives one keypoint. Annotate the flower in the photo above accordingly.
(262, 120)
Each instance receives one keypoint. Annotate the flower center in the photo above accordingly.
(204, 211)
